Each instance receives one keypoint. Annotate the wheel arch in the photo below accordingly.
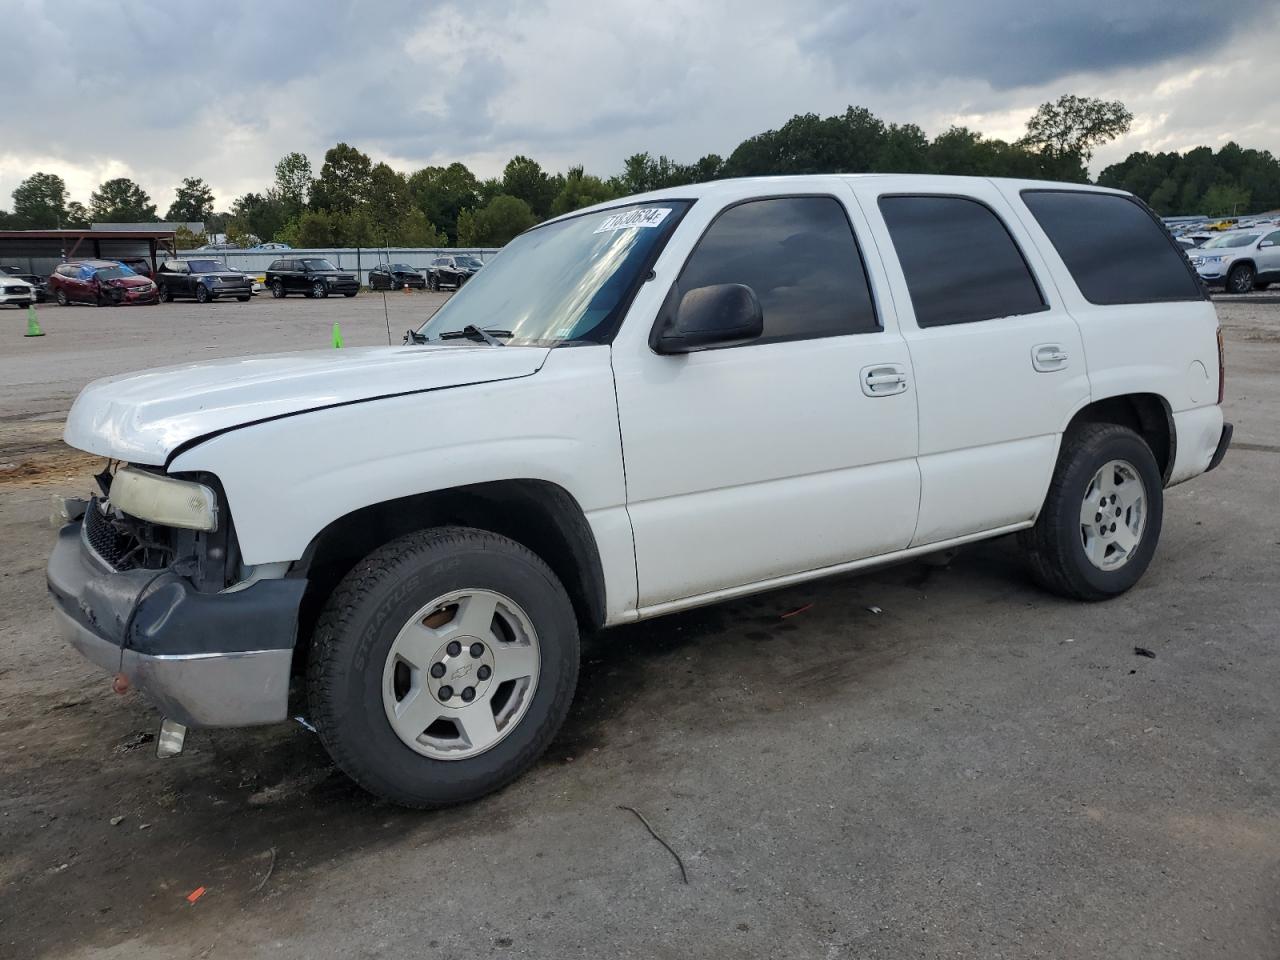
(1147, 414)
(538, 514)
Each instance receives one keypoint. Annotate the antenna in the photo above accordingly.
(386, 252)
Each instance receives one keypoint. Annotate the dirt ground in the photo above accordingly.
(920, 762)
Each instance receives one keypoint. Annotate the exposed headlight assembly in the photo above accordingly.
(164, 500)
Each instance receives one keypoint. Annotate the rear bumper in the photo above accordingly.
(1199, 438)
(206, 660)
(1223, 442)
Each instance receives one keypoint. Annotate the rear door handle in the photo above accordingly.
(1048, 357)
(883, 379)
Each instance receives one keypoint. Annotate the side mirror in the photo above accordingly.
(1267, 243)
(721, 315)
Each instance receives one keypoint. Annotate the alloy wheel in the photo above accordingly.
(1113, 515)
(461, 674)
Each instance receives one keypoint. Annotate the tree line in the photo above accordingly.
(354, 201)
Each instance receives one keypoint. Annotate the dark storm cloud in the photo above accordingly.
(1008, 43)
(159, 90)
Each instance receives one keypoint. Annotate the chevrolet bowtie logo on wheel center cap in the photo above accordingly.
(462, 671)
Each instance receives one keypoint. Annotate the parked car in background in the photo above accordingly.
(16, 291)
(271, 246)
(451, 271)
(102, 282)
(578, 440)
(213, 247)
(202, 280)
(40, 284)
(396, 276)
(311, 276)
(1239, 260)
(139, 265)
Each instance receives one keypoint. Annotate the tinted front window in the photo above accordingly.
(800, 257)
(1272, 237)
(960, 263)
(471, 262)
(1115, 250)
(114, 273)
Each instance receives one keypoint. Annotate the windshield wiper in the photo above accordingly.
(472, 332)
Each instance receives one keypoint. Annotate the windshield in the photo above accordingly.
(1230, 240)
(114, 273)
(318, 263)
(562, 281)
(468, 262)
(402, 268)
(206, 266)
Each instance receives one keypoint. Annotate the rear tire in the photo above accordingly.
(392, 611)
(1240, 279)
(1101, 520)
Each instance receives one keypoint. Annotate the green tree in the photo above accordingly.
(186, 239)
(415, 230)
(1225, 200)
(580, 190)
(388, 200)
(121, 201)
(262, 215)
(293, 182)
(524, 178)
(442, 193)
(1067, 130)
(311, 228)
(494, 224)
(344, 182)
(40, 202)
(193, 201)
(77, 215)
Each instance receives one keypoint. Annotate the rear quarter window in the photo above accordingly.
(1113, 247)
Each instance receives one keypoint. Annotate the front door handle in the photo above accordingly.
(1048, 357)
(884, 379)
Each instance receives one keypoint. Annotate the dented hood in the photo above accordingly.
(144, 417)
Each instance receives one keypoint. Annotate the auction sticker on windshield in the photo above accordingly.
(643, 217)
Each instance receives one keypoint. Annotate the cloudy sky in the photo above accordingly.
(161, 90)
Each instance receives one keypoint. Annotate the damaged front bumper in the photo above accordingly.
(205, 659)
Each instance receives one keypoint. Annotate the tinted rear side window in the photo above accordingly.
(959, 260)
(1114, 249)
(800, 257)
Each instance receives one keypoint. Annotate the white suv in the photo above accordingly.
(634, 409)
(1239, 260)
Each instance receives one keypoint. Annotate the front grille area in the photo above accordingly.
(117, 550)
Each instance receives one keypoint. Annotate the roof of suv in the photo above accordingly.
(745, 186)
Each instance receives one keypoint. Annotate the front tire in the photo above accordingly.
(1101, 520)
(277, 290)
(202, 293)
(1240, 279)
(319, 291)
(61, 297)
(442, 666)
(164, 294)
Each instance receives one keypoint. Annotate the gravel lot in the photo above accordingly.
(976, 770)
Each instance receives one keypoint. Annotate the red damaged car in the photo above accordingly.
(102, 282)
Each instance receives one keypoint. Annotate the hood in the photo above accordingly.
(145, 417)
(128, 282)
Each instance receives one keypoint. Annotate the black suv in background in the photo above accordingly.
(311, 276)
(451, 271)
(204, 280)
(396, 276)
